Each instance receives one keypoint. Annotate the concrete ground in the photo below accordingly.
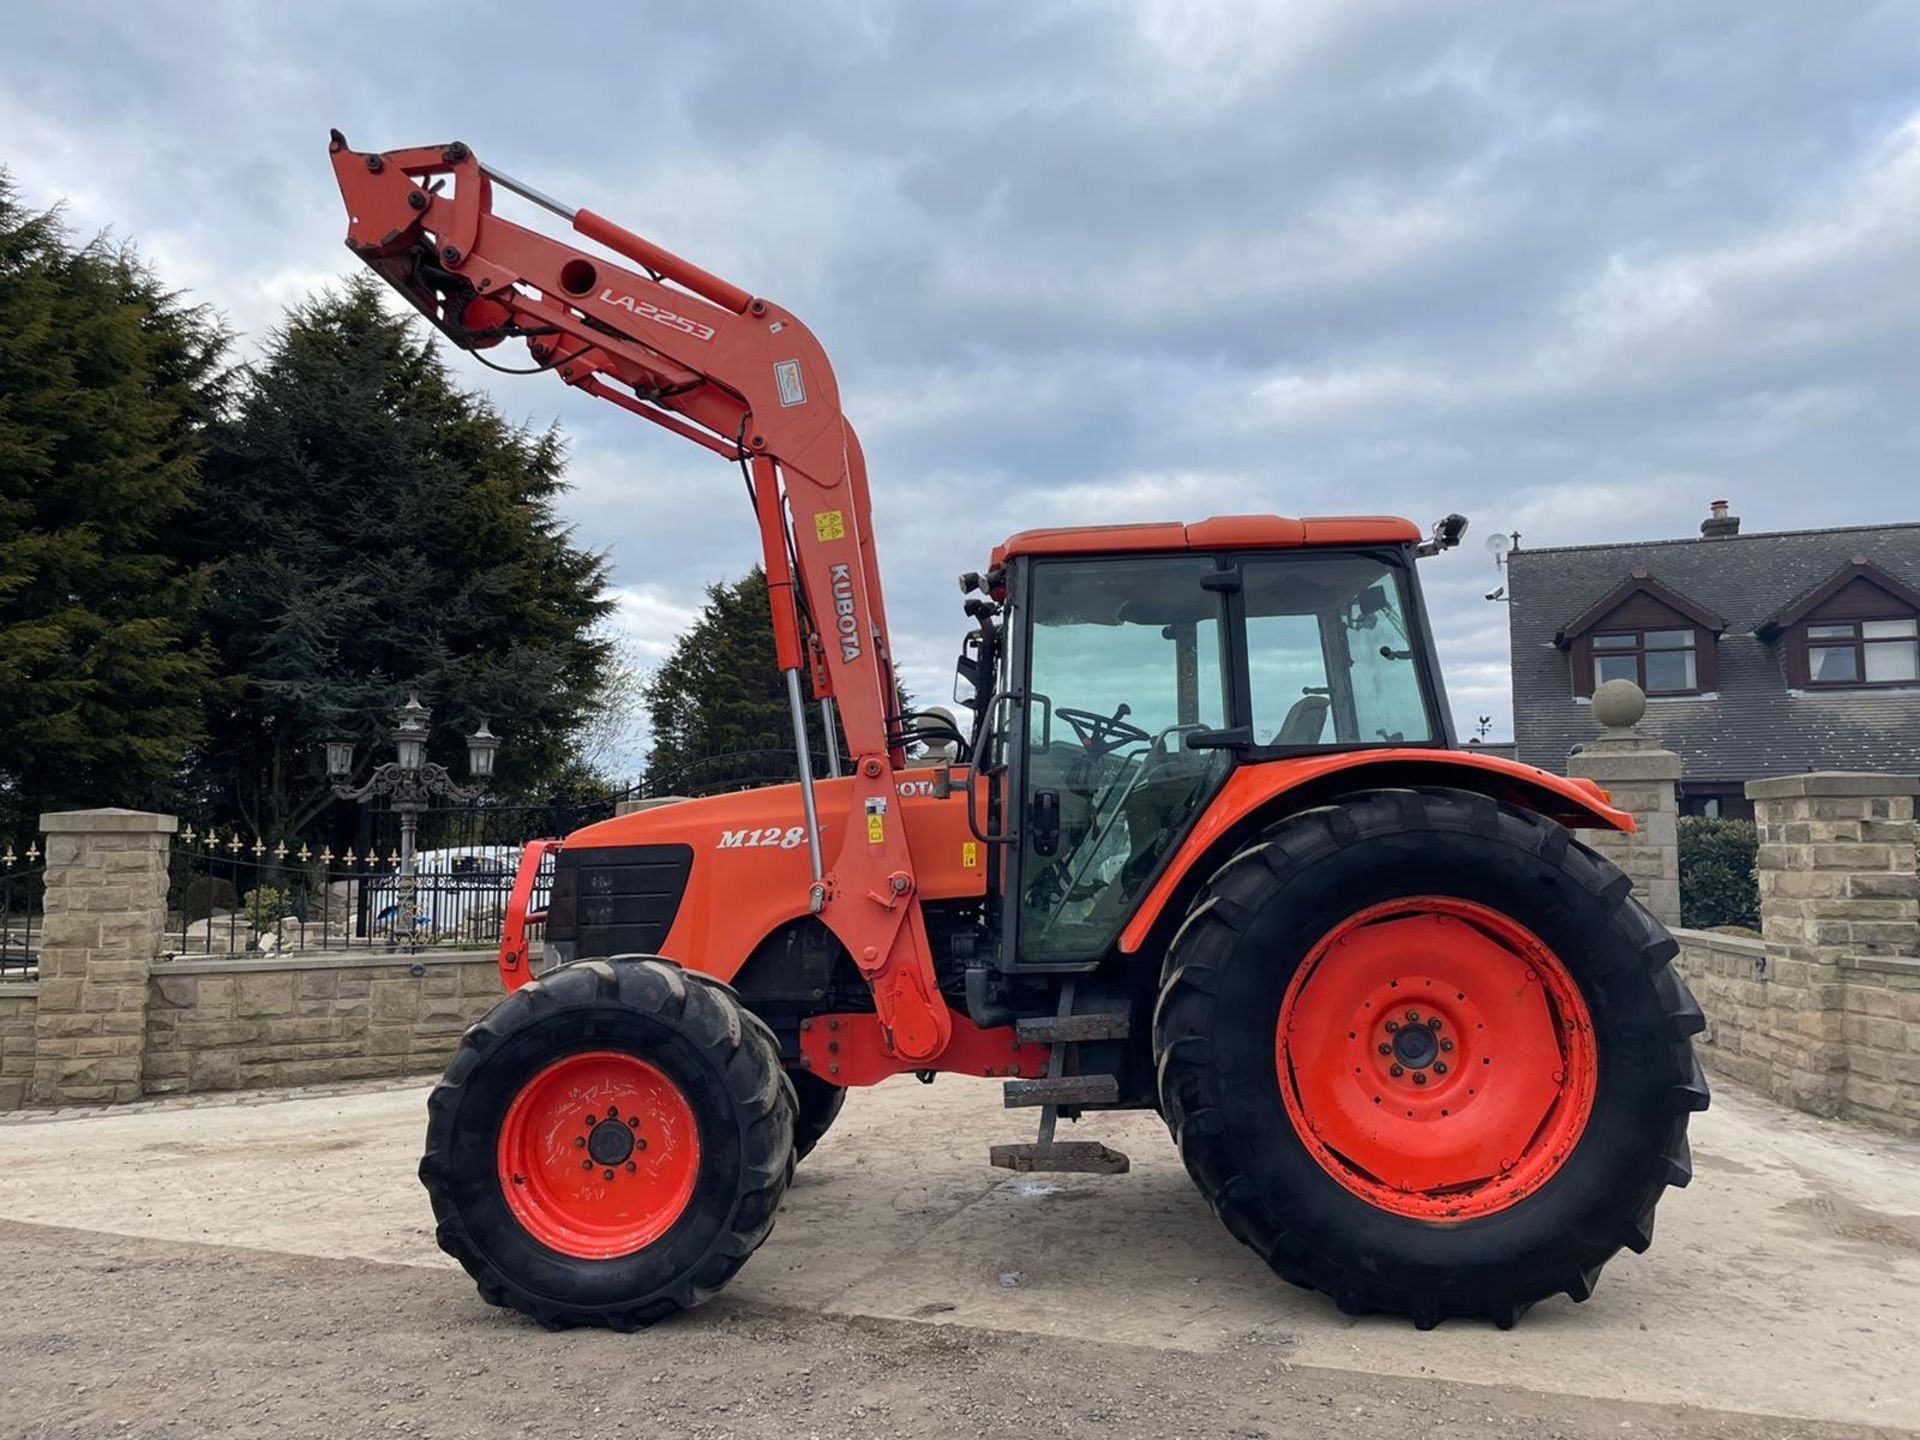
(908, 1288)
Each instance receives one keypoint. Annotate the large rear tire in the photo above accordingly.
(1424, 1052)
(609, 1144)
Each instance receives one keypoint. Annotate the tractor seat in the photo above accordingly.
(1305, 722)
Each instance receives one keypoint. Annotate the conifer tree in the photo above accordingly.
(373, 528)
(107, 384)
(718, 704)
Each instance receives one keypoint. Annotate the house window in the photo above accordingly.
(1863, 652)
(1660, 662)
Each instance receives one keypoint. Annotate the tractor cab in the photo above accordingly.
(1122, 672)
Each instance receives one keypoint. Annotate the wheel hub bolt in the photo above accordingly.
(1419, 1077)
(1413, 1017)
(1433, 1022)
(1396, 1072)
(1439, 1067)
(579, 1142)
(609, 1174)
(586, 1164)
(1392, 1025)
(1385, 1049)
(1446, 1045)
(631, 1167)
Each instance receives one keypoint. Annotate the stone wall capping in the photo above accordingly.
(330, 960)
(110, 820)
(1831, 782)
(1713, 940)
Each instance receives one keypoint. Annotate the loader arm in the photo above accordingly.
(676, 345)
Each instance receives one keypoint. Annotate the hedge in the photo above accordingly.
(1718, 881)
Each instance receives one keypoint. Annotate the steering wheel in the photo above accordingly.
(1103, 734)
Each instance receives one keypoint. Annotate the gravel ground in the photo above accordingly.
(120, 1336)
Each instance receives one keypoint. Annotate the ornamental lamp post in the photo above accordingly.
(339, 759)
(411, 781)
(481, 748)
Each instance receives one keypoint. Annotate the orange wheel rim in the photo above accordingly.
(1436, 1058)
(598, 1155)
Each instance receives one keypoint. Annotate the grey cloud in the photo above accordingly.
(1572, 270)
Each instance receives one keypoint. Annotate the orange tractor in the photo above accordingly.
(1207, 846)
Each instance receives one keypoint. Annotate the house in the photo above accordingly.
(1761, 654)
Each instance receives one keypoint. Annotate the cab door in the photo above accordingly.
(1118, 661)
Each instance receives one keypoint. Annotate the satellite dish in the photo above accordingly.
(1498, 544)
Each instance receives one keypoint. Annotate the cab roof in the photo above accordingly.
(1222, 532)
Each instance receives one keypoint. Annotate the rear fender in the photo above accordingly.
(1257, 795)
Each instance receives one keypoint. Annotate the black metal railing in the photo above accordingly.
(23, 889)
(232, 896)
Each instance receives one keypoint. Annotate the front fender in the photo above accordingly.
(1264, 792)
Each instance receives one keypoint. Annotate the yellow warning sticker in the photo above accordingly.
(876, 829)
(969, 854)
(829, 525)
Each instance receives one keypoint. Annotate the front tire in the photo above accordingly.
(820, 1103)
(1494, 1149)
(610, 1144)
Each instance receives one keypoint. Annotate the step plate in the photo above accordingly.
(1063, 1090)
(1072, 1029)
(1078, 1157)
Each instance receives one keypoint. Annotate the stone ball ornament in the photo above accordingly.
(1619, 704)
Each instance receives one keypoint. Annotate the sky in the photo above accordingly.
(1572, 270)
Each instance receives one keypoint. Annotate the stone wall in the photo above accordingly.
(1761, 1027)
(1853, 1050)
(1824, 1012)
(19, 1000)
(1880, 1027)
(240, 1024)
(106, 903)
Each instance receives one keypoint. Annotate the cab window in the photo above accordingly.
(1330, 654)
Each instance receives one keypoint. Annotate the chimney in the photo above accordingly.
(1719, 525)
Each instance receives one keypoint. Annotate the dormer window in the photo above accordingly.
(1660, 662)
(1645, 632)
(1858, 630)
(1864, 652)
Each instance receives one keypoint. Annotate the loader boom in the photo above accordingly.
(737, 374)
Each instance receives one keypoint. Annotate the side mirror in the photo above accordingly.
(966, 670)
